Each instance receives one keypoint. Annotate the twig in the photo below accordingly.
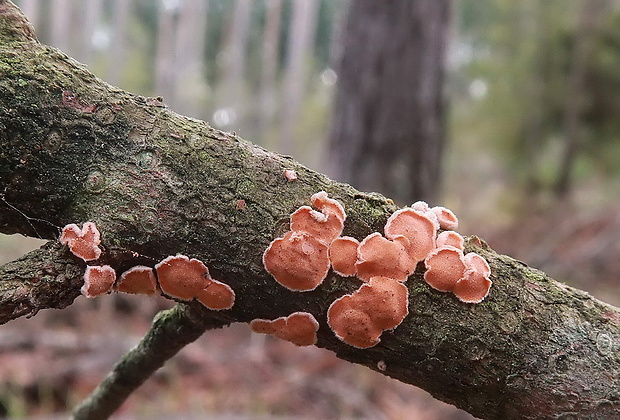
(172, 330)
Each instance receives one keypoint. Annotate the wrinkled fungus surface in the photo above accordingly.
(299, 328)
(378, 256)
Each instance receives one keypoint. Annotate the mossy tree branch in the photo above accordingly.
(74, 149)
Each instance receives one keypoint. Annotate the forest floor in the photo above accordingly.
(52, 361)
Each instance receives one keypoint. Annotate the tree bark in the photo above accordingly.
(387, 133)
(75, 149)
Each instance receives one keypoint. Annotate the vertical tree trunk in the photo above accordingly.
(387, 133)
(585, 33)
(116, 63)
(190, 81)
(164, 60)
(60, 24)
(91, 21)
(271, 44)
(300, 42)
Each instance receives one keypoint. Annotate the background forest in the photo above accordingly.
(531, 164)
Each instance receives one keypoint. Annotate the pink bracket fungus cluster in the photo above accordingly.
(176, 276)
(299, 328)
(84, 242)
(299, 260)
(382, 262)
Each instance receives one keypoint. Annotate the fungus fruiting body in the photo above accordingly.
(416, 227)
(323, 226)
(98, 280)
(138, 280)
(299, 328)
(181, 277)
(475, 284)
(360, 318)
(343, 255)
(217, 296)
(83, 243)
(290, 175)
(450, 238)
(444, 267)
(378, 256)
(328, 205)
(446, 218)
(186, 279)
(298, 261)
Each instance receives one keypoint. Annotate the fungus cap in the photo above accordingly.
(217, 296)
(445, 266)
(181, 277)
(83, 243)
(447, 219)
(343, 255)
(419, 229)
(323, 226)
(290, 175)
(359, 319)
(450, 238)
(138, 280)
(474, 287)
(378, 256)
(328, 205)
(298, 261)
(98, 280)
(299, 328)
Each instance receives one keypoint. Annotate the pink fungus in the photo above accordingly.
(447, 219)
(217, 296)
(328, 205)
(360, 318)
(419, 229)
(475, 284)
(138, 280)
(299, 328)
(298, 261)
(378, 256)
(83, 243)
(322, 226)
(343, 255)
(450, 238)
(445, 266)
(290, 175)
(98, 280)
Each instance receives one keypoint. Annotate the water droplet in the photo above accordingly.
(381, 365)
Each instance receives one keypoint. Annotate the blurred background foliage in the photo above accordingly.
(531, 164)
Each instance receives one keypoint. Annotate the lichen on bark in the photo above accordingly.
(75, 149)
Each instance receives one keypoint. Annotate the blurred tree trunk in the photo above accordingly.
(583, 48)
(271, 44)
(300, 42)
(120, 22)
(61, 28)
(388, 127)
(190, 83)
(164, 61)
(91, 10)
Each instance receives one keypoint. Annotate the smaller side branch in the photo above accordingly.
(48, 277)
(172, 330)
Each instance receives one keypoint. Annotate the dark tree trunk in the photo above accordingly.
(387, 133)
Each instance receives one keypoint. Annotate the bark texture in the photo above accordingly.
(387, 133)
(74, 149)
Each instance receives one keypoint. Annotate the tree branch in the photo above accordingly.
(74, 149)
(172, 330)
